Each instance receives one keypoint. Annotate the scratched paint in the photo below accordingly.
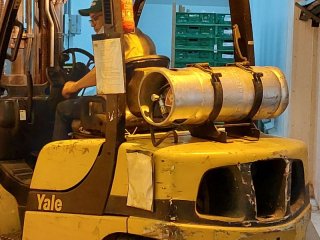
(111, 116)
(164, 231)
(9, 215)
(57, 158)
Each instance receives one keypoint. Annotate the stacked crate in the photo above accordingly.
(203, 37)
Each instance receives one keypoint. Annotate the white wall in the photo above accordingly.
(304, 113)
(272, 30)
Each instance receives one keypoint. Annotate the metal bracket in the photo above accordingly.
(258, 89)
(236, 37)
(211, 130)
(156, 143)
(245, 130)
(217, 87)
(307, 12)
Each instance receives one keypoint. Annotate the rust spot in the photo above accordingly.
(85, 150)
(173, 211)
(164, 231)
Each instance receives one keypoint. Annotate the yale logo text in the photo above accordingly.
(49, 203)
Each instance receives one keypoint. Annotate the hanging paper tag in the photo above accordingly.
(109, 66)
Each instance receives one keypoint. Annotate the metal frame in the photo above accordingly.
(241, 16)
(310, 14)
(7, 22)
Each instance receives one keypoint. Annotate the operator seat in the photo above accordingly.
(21, 102)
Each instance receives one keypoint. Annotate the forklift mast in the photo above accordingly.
(241, 17)
(7, 22)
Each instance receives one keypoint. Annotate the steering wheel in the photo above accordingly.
(75, 70)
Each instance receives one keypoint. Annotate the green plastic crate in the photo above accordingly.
(195, 18)
(193, 55)
(195, 43)
(224, 32)
(222, 18)
(224, 57)
(182, 64)
(224, 44)
(195, 31)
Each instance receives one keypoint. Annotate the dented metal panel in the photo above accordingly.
(66, 162)
(294, 230)
(172, 163)
(194, 156)
(181, 168)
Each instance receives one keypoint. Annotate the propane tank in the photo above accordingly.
(127, 16)
(187, 96)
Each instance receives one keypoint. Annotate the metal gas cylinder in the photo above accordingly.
(187, 95)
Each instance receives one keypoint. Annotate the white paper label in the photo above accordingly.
(109, 66)
(228, 56)
(227, 44)
(227, 18)
(227, 31)
(140, 185)
(23, 115)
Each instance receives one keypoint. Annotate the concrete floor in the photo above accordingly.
(312, 233)
(313, 230)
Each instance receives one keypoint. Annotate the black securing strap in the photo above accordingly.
(218, 95)
(258, 94)
(258, 88)
(217, 88)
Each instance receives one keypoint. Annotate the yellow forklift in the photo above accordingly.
(166, 153)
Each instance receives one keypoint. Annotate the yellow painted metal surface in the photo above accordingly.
(63, 164)
(178, 169)
(194, 157)
(53, 226)
(9, 216)
(293, 230)
(172, 163)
